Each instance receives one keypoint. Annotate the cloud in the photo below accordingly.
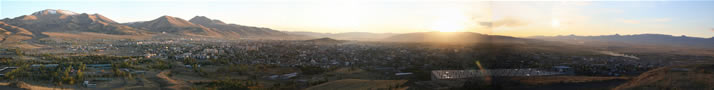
(507, 22)
(630, 21)
(662, 20)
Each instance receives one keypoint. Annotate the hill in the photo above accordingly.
(52, 20)
(324, 41)
(10, 33)
(174, 25)
(690, 77)
(637, 39)
(358, 84)
(55, 23)
(234, 30)
(450, 37)
(362, 36)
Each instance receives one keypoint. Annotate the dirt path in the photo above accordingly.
(169, 83)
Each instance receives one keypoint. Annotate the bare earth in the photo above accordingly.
(173, 84)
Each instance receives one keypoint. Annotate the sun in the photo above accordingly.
(447, 27)
(555, 23)
(450, 20)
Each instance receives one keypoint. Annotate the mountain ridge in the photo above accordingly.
(649, 39)
(237, 30)
(51, 20)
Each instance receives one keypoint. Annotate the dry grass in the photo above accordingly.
(564, 79)
(173, 84)
(358, 84)
(696, 77)
(25, 86)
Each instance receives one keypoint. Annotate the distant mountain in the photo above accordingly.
(237, 30)
(641, 39)
(449, 37)
(10, 33)
(365, 36)
(174, 25)
(324, 41)
(51, 20)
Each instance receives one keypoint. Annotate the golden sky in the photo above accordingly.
(512, 18)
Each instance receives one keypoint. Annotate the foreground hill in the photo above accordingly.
(358, 84)
(11, 34)
(51, 20)
(691, 77)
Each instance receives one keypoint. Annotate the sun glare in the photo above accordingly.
(555, 23)
(450, 20)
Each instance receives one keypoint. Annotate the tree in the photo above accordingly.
(55, 75)
(19, 52)
(67, 70)
(82, 66)
(80, 75)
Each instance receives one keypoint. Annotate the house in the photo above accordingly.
(5, 70)
(36, 66)
(564, 69)
(149, 55)
(290, 75)
(100, 66)
(138, 72)
(89, 85)
(284, 76)
(403, 74)
(191, 66)
(454, 74)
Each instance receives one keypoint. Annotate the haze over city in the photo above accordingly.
(510, 18)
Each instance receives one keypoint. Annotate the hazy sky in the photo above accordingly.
(513, 18)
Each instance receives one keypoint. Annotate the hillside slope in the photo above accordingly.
(51, 20)
(691, 77)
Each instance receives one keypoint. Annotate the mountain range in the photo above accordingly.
(362, 36)
(448, 37)
(637, 39)
(49, 22)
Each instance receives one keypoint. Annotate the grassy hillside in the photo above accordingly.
(359, 84)
(690, 77)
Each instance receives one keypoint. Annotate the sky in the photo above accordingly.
(513, 18)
